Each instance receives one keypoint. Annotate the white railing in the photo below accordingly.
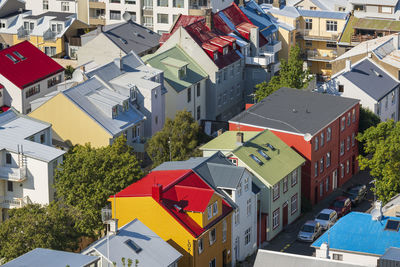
(274, 47)
(13, 174)
(14, 202)
(264, 59)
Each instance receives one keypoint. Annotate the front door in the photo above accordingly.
(334, 179)
(285, 214)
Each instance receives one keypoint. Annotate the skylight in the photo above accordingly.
(270, 146)
(392, 225)
(19, 55)
(130, 243)
(256, 159)
(262, 153)
(12, 58)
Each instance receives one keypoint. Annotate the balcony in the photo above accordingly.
(74, 41)
(97, 4)
(139, 145)
(274, 47)
(308, 35)
(49, 35)
(13, 174)
(317, 56)
(263, 59)
(99, 20)
(14, 202)
(359, 38)
(23, 34)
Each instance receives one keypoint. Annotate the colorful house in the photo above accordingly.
(276, 170)
(184, 211)
(321, 127)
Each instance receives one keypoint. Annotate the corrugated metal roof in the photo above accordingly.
(51, 258)
(259, 18)
(323, 14)
(154, 250)
(227, 141)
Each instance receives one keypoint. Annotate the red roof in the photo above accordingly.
(34, 66)
(4, 108)
(235, 15)
(185, 20)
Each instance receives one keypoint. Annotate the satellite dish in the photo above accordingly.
(307, 137)
(126, 16)
(77, 76)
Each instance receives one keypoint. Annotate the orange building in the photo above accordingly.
(184, 211)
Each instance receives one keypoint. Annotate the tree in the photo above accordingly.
(88, 176)
(180, 134)
(291, 75)
(367, 119)
(382, 145)
(68, 72)
(34, 226)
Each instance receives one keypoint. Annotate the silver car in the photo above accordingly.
(326, 218)
(309, 231)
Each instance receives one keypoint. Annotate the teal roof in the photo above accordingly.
(175, 56)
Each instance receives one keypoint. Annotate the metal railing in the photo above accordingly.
(14, 202)
(23, 33)
(309, 35)
(315, 55)
(49, 35)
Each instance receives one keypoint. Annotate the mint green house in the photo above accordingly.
(277, 171)
(184, 80)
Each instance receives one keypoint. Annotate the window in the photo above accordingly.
(237, 216)
(328, 134)
(234, 161)
(321, 189)
(330, 44)
(225, 73)
(353, 139)
(285, 184)
(156, 119)
(53, 27)
(125, 106)
(131, 244)
(316, 169)
(42, 138)
(198, 89)
(246, 184)
(114, 111)
(348, 143)
(215, 56)
(341, 170)
(328, 159)
(247, 236)
(275, 191)
(189, 94)
(239, 189)
(64, 6)
(209, 212)
(162, 18)
(198, 112)
(308, 43)
(293, 204)
(321, 168)
(386, 9)
(53, 81)
(215, 208)
(294, 178)
(316, 143)
(322, 139)
(386, 102)
(32, 91)
(178, 3)
(343, 125)
(331, 26)
(162, 3)
(347, 166)
(308, 24)
(45, 4)
(201, 248)
(248, 206)
(224, 230)
(232, 68)
(341, 148)
(182, 72)
(212, 236)
(341, 88)
(59, 27)
(348, 119)
(327, 184)
(393, 98)
(218, 77)
(354, 114)
(275, 218)
(212, 263)
(337, 257)
(8, 158)
(10, 187)
(135, 132)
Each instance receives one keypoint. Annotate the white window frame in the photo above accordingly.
(275, 218)
(215, 208)
(210, 235)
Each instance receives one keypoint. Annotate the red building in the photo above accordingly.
(320, 127)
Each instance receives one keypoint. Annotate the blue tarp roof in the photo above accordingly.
(357, 232)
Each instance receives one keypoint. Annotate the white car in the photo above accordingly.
(326, 218)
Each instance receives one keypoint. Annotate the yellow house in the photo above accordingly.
(90, 112)
(184, 211)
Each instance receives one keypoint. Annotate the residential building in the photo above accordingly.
(27, 162)
(257, 35)
(137, 242)
(196, 220)
(57, 34)
(320, 127)
(359, 238)
(235, 185)
(376, 89)
(384, 9)
(113, 41)
(322, 5)
(392, 208)
(390, 258)
(26, 74)
(277, 171)
(184, 80)
(90, 112)
(273, 258)
(53, 258)
(143, 84)
(221, 59)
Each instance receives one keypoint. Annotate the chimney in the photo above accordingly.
(209, 18)
(348, 65)
(113, 226)
(156, 192)
(376, 213)
(324, 251)
(254, 41)
(118, 63)
(239, 138)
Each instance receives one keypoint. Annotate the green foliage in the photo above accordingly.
(367, 119)
(382, 144)
(183, 135)
(130, 262)
(291, 75)
(34, 226)
(88, 176)
(68, 72)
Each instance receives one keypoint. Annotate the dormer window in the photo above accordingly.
(114, 111)
(53, 27)
(215, 55)
(225, 50)
(133, 94)
(182, 72)
(125, 105)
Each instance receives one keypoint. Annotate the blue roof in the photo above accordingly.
(51, 258)
(259, 18)
(357, 232)
(323, 14)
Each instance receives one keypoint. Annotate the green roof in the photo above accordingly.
(227, 141)
(176, 55)
(174, 62)
(283, 160)
(348, 30)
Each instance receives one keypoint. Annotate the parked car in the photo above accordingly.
(310, 231)
(342, 205)
(356, 193)
(326, 218)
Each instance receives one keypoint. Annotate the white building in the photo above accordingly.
(27, 161)
(376, 89)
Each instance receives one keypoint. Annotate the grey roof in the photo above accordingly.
(272, 258)
(288, 11)
(131, 36)
(370, 78)
(392, 254)
(94, 98)
(323, 14)
(59, 16)
(296, 111)
(154, 250)
(224, 176)
(15, 128)
(51, 258)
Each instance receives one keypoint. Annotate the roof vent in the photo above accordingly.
(376, 213)
(294, 110)
(376, 73)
